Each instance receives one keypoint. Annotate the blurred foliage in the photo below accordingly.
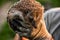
(55, 3)
(6, 33)
(4, 1)
(42, 1)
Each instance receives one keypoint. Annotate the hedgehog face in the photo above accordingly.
(21, 20)
(25, 19)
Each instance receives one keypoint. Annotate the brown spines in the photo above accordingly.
(32, 5)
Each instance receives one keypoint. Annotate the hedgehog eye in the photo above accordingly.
(26, 12)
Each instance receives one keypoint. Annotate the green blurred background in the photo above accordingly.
(6, 33)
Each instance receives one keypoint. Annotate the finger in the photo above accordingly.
(16, 37)
(23, 38)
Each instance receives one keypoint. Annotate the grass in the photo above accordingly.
(6, 33)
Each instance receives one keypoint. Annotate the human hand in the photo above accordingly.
(17, 37)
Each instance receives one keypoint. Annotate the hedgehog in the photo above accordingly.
(26, 18)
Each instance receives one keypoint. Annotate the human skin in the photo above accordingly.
(17, 37)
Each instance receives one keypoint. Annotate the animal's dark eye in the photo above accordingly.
(27, 11)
